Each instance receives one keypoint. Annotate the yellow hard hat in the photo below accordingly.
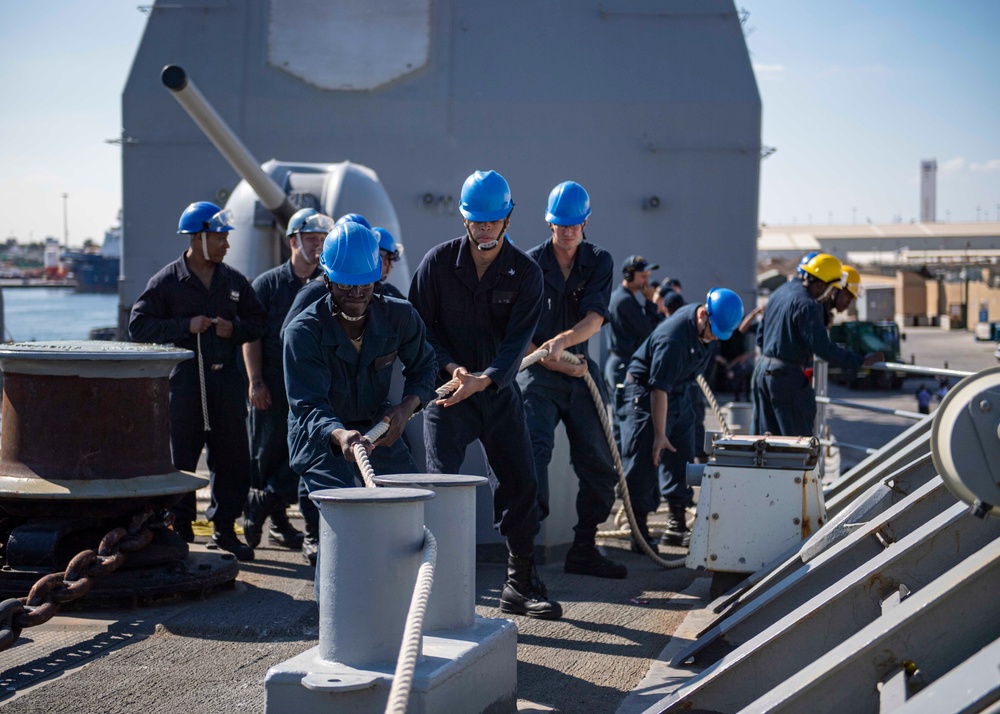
(851, 281)
(824, 267)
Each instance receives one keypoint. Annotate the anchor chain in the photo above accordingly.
(47, 595)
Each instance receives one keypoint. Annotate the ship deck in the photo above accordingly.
(212, 654)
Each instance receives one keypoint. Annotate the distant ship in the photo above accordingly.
(97, 272)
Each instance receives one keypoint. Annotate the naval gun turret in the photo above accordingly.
(271, 192)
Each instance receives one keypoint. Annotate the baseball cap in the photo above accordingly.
(673, 300)
(635, 263)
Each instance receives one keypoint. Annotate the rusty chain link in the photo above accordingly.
(47, 595)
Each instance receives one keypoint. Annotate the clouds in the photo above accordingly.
(768, 71)
(958, 165)
(990, 166)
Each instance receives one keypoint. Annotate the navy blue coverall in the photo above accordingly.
(163, 314)
(331, 385)
(631, 323)
(276, 290)
(791, 332)
(669, 360)
(484, 325)
(551, 397)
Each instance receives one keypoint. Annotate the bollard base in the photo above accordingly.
(473, 669)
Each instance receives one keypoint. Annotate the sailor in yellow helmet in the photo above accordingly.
(792, 331)
(850, 289)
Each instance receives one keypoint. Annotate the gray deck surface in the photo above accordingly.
(211, 655)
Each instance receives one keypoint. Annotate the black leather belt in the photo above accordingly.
(780, 363)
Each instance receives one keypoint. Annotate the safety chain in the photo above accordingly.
(47, 595)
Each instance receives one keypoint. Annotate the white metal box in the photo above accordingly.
(759, 496)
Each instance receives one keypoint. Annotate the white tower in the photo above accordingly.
(928, 191)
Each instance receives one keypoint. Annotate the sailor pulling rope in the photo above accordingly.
(368, 473)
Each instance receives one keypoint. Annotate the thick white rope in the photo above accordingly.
(402, 680)
(368, 473)
(201, 381)
(706, 390)
(609, 436)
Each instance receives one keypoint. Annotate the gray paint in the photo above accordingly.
(632, 98)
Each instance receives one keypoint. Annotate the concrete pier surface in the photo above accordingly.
(211, 654)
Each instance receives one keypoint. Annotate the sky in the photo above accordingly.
(855, 94)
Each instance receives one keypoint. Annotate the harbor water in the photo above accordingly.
(35, 314)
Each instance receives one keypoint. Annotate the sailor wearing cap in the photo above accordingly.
(339, 352)
(578, 276)
(199, 303)
(480, 297)
(631, 317)
(658, 419)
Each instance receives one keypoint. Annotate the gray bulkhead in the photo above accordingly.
(651, 105)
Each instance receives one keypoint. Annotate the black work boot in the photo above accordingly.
(185, 529)
(676, 532)
(225, 538)
(259, 503)
(282, 531)
(524, 593)
(641, 520)
(584, 558)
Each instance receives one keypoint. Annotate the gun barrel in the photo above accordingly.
(225, 140)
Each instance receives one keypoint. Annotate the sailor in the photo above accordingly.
(274, 485)
(391, 251)
(480, 298)
(339, 353)
(316, 290)
(850, 289)
(578, 277)
(791, 332)
(199, 303)
(631, 317)
(658, 420)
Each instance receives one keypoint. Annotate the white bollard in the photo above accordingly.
(371, 544)
(451, 517)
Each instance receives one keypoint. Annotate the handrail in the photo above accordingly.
(917, 369)
(915, 416)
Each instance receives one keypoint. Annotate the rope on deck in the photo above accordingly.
(402, 680)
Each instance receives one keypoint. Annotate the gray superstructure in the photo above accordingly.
(651, 105)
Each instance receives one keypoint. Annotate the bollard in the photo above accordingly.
(370, 550)
(451, 517)
(86, 445)
(371, 543)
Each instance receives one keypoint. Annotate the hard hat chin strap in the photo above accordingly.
(204, 245)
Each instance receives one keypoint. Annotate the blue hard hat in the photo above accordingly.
(485, 197)
(805, 260)
(308, 220)
(205, 217)
(569, 205)
(725, 310)
(354, 218)
(387, 242)
(350, 255)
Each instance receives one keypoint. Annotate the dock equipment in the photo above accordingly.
(85, 450)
